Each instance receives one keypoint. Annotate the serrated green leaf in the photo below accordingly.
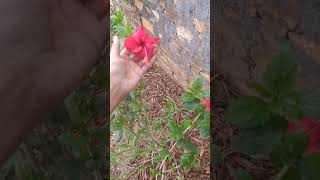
(154, 172)
(256, 141)
(188, 161)
(310, 103)
(187, 97)
(116, 126)
(309, 167)
(72, 169)
(248, 111)
(292, 146)
(129, 28)
(280, 75)
(171, 107)
(190, 106)
(288, 105)
(76, 142)
(175, 131)
(197, 84)
(122, 31)
(205, 94)
(259, 89)
(216, 155)
(241, 174)
(204, 132)
(204, 125)
(291, 174)
(186, 122)
(188, 145)
(118, 136)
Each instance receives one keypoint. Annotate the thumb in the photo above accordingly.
(115, 48)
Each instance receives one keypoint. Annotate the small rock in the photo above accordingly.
(184, 33)
(156, 14)
(138, 4)
(199, 26)
(147, 24)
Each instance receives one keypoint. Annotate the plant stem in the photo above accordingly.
(281, 173)
(195, 119)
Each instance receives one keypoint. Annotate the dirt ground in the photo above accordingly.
(158, 87)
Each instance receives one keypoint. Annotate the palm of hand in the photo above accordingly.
(126, 71)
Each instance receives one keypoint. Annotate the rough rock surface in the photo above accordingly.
(248, 32)
(183, 30)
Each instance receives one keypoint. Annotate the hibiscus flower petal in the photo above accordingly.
(149, 39)
(140, 35)
(132, 45)
(140, 54)
(149, 48)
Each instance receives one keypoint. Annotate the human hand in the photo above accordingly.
(47, 47)
(125, 72)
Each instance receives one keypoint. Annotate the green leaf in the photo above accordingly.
(58, 116)
(291, 174)
(204, 132)
(205, 94)
(309, 167)
(260, 140)
(216, 154)
(118, 136)
(258, 89)
(116, 126)
(204, 124)
(186, 122)
(117, 18)
(197, 84)
(163, 153)
(247, 111)
(122, 31)
(292, 146)
(120, 16)
(76, 142)
(175, 131)
(190, 106)
(72, 169)
(241, 174)
(154, 172)
(290, 105)
(311, 105)
(188, 145)
(171, 107)
(129, 29)
(280, 75)
(188, 161)
(187, 96)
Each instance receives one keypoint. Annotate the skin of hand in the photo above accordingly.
(125, 72)
(47, 47)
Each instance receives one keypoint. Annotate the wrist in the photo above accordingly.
(116, 94)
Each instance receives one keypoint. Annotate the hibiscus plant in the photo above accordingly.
(279, 122)
(133, 132)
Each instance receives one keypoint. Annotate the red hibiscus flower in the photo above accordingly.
(206, 102)
(312, 129)
(141, 44)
